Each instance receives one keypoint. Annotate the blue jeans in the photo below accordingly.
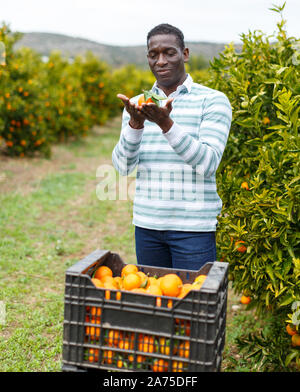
(174, 249)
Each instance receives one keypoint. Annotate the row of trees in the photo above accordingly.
(42, 103)
(259, 183)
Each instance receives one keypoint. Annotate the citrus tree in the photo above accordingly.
(65, 108)
(258, 178)
(22, 130)
(96, 82)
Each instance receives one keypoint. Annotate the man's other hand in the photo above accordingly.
(137, 118)
(159, 115)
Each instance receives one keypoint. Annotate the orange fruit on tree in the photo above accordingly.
(103, 271)
(131, 281)
(245, 185)
(245, 300)
(129, 269)
(291, 329)
(296, 340)
(240, 248)
(171, 285)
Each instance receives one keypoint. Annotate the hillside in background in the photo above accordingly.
(44, 43)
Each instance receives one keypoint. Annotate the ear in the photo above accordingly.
(186, 55)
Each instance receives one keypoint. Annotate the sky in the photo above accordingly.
(127, 22)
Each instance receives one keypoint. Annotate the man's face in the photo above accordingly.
(166, 60)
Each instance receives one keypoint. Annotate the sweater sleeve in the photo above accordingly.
(125, 155)
(205, 153)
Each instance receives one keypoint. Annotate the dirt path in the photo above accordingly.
(23, 175)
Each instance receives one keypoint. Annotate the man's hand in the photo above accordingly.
(159, 115)
(137, 118)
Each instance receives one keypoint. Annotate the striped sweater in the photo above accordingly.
(175, 177)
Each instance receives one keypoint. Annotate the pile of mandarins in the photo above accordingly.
(136, 281)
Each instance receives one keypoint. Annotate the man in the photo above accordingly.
(176, 148)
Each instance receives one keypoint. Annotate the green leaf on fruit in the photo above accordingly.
(155, 97)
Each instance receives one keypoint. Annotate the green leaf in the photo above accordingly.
(280, 70)
(158, 97)
(286, 300)
(272, 81)
(269, 135)
(155, 97)
(267, 298)
(247, 122)
(280, 126)
(294, 180)
(290, 357)
(270, 272)
(291, 252)
(281, 212)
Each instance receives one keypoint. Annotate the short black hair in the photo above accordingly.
(165, 28)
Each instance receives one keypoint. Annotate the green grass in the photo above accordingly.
(48, 229)
(238, 324)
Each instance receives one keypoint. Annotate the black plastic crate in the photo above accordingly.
(125, 331)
